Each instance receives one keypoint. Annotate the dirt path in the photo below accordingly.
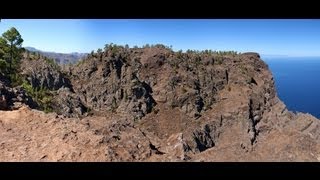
(29, 135)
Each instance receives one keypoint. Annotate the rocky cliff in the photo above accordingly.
(153, 104)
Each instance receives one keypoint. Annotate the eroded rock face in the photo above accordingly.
(13, 98)
(40, 73)
(111, 83)
(197, 86)
(152, 104)
(68, 104)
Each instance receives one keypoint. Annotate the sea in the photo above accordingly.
(297, 81)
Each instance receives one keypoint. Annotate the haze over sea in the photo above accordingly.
(298, 82)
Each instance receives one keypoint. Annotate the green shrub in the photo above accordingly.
(16, 79)
(41, 95)
(219, 60)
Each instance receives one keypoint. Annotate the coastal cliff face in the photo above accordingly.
(153, 104)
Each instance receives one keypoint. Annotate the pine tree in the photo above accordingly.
(10, 43)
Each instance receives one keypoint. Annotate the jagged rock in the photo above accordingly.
(202, 138)
(41, 73)
(3, 102)
(68, 104)
(13, 98)
(122, 91)
(174, 148)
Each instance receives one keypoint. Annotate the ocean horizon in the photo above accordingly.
(297, 81)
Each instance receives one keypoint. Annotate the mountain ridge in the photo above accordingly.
(60, 58)
(154, 104)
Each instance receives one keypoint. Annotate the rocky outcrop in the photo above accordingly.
(111, 82)
(68, 104)
(41, 72)
(44, 75)
(235, 91)
(13, 98)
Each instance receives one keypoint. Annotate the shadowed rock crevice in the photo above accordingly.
(203, 140)
(252, 129)
(252, 81)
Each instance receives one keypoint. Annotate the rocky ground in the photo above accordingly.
(152, 104)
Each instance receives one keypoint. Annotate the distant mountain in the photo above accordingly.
(32, 49)
(60, 58)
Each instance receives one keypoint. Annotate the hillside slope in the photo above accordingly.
(153, 104)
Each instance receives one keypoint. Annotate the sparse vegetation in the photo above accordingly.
(191, 60)
(16, 79)
(52, 62)
(10, 56)
(41, 95)
(146, 46)
(179, 54)
(223, 53)
(219, 60)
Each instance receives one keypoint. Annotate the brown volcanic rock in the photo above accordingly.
(153, 104)
(110, 82)
(229, 97)
(68, 104)
(39, 72)
(29, 135)
(13, 98)
(42, 73)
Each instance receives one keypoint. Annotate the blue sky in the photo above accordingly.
(267, 37)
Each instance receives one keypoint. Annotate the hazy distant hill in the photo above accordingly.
(60, 58)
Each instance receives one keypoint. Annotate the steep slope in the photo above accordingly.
(153, 104)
